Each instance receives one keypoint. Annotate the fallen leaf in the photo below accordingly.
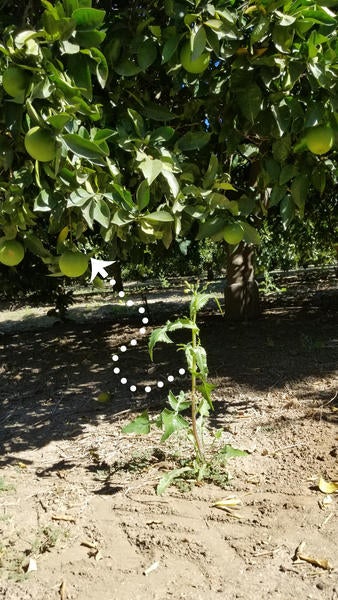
(32, 565)
(327, 487)
(89, 544)
(229, 502)
(230, 505)
(103, 397)
(323, 563)
(325, 502)
(63, 518)
(151, 568)
(317, 562)
(62, 591)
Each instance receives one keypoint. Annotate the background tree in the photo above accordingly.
(153, 121)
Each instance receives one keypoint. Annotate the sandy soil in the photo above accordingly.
(79, 515)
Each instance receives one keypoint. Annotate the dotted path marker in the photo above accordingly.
(98, 268)
(121, 350)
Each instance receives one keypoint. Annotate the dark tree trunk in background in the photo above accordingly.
(241, 293)
(115, 273)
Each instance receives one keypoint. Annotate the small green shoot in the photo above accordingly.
(187, 411)
(5, 487)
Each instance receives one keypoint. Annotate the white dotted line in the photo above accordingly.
(133, 342)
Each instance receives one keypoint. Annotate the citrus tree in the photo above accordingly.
(174, 120)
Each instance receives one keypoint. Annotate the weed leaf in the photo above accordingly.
(158, 335)
(229, 451)
(178, 403)
(168, 478)
(172, 422)
(140, 425)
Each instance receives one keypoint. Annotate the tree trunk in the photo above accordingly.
(241, 293)
(115, 271)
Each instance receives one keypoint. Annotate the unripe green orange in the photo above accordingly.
(319, 139)
(40, 144)
(11, 253)
(233, 233)
(197, 65)
(15, 81)
(73, 264)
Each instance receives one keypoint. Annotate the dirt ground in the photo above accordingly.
(79, 515)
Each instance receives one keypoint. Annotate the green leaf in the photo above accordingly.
(151, 168)
(277, 194)
(170, 47)
(102, 135)
(211, 173)
(146, 54)
(143, 195)
(281, 148)
(320, 16)
(284, 19)
(206, 388)
(171, 423)
(168, 478)
(198, 41)
(250, 101)
(59, 121)
(158, 113)
(287, 173)
(193, 141)
(178, 403)
(87, 19)
(160, 216)
(126, 68)
(198, 301)
(101, 212)
(90, 39)
(158, 335)
(220, 201)
(260, 30)
(299, 188)
(287, 210)
(251, 235)
(230, 451)
(120, 218)
(102, 70)
(83, 147)
(79, 198)
(161, 134)
(211, 227)
(137, 122)
(155, 30)
(246, 205)
(172, 182)
(318, 178)
(140, 425)
(283, 38)
(35, 245)
(215, 24)
(183, 323)
(201, 359)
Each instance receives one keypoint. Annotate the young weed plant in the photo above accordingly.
(197, 402)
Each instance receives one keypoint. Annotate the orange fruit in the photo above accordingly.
(40, 144)
(73, 264)
(11, 252)
(15, 81)
(233, 233)
(319, 139)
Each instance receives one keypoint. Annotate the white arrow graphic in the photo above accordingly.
(98, 267)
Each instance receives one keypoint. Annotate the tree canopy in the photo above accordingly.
(151, 120)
